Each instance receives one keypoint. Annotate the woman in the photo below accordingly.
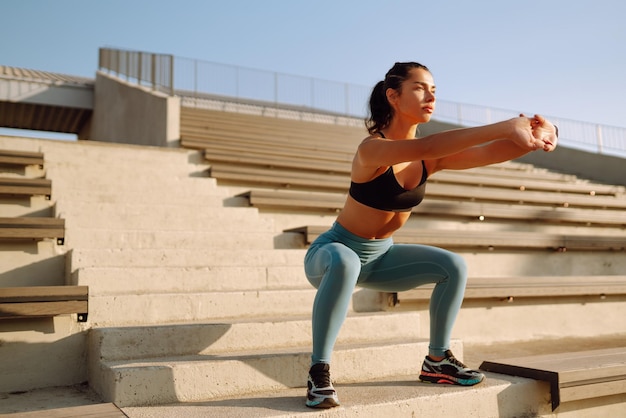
(388, 179)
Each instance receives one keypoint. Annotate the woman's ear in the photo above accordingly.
(392, 96)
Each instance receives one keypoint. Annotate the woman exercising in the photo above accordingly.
(388, 179)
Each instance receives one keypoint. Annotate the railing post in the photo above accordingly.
(599, 137)
(312, 92)
(171, 75)
(276, 89)
(127, 54)
(153, 70)
(195, 77)
(140, 59)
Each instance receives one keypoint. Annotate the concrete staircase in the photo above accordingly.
(199, 307)
(189, 299)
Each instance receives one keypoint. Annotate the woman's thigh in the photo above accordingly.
(333, 260)
(406, 266)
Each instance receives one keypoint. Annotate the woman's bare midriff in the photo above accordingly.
(368, 222)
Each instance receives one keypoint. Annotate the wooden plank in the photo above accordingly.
(317, 161)
(525, 286)
(43, 293)
(272, 161)
(209, 126)
(303, 179)
(443, 208)
(298, 151)
(30, 187)
(277, 177)
(253, 153)
(572, 376)
(42, 309)
(21, 158)
(490, 240)
(31, 222)
(42, 301)
(32, 228)
(103, 410)
(32, 233)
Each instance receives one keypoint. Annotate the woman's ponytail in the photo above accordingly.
(380, 110)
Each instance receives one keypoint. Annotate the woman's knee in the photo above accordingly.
(456, 267)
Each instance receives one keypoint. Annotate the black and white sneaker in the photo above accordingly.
(320, 391)
(449, 371)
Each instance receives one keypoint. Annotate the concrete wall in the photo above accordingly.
(127, 113)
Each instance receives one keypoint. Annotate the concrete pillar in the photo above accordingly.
(128, 113)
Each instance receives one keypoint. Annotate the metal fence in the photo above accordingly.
(144, 68)
(195, 78)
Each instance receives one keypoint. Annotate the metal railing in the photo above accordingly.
(195, 78)
(143, 68)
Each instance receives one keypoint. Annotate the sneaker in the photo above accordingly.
(449, 371)
(320, 392)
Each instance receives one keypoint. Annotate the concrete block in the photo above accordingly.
(195, 378)
(155, 308)
(133, 239)
(163, 216)
(229, 336)
(182, 257)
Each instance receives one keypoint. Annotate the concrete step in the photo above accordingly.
(200, 378)
(182, 257)
(206, 196)
(162, 216)
(229, 336)
(28, 206)
(164, 308)
(30, 171)
(145, 238)
(26, 263)
(130, 183)
(102, 155)
(139, 280)
(402, 396)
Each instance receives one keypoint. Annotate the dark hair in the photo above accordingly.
(381, 111)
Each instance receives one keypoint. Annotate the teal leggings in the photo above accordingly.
(338, 261)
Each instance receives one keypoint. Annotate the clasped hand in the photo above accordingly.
(544, 133)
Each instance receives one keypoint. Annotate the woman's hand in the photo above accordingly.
(522, 132)
(544, 132)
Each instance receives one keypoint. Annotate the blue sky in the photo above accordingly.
(561, 58)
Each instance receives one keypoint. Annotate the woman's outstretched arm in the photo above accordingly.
(498, 151)
(377, 152)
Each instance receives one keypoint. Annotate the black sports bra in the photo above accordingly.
(385, 193)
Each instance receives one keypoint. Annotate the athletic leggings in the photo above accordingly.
(338, 260)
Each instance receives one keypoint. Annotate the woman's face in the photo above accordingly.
(416, 100)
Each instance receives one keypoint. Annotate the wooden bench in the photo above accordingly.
(323, 162)
(287, 146)
(10, 186)
(204, 120)
(572, 376)
(463, 209)
(202, 128)
(32, 228)
(509, 288)
(238, 172)
(21, 158)
(492, 240)
(43, 301)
